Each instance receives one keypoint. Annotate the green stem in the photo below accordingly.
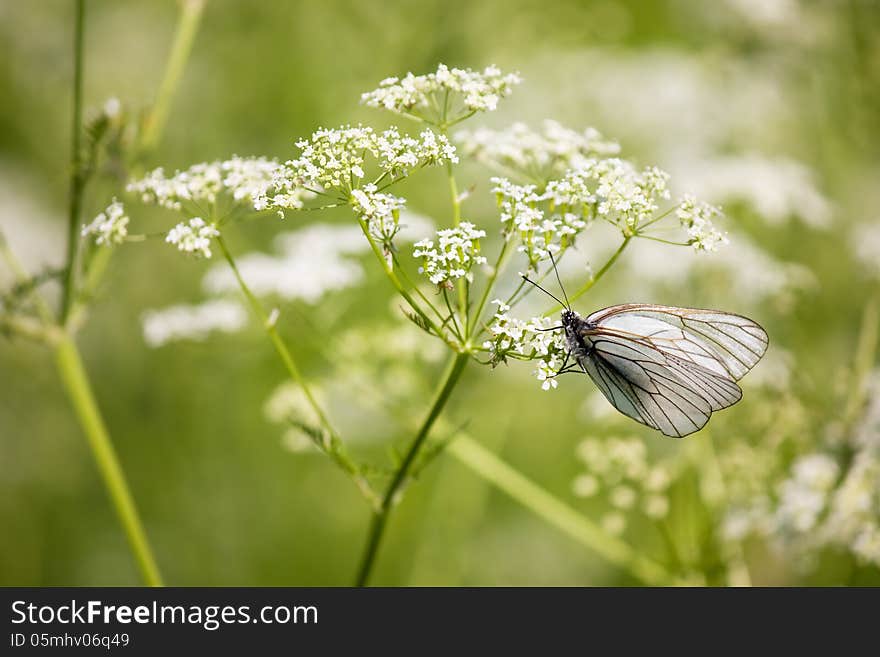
(277, 342)
(489, 285)
(187, 26)
(380, 516)
(595, 279)
(395, 281)
(76, 383)
(554, 511)
(76, 174)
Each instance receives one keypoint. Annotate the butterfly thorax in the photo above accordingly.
(575, 326)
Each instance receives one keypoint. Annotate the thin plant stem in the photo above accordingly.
(76, 384)
(395, 281)
(490, 283)
(187, 25)
(76, 173)
(380, 516)
(554, 511)
(596, 278)
(277, 342)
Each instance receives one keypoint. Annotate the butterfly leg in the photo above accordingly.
(566, 368)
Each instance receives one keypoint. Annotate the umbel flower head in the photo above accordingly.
(193, 237)
(337, 160)
(445, 96)
(526, 340)
(696, 217)
(110, 227)
(243, 179)
(452, 256)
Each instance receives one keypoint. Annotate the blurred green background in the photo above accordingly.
(769, 108)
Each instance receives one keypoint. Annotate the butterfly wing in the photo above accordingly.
(719, 341)
(654, 367)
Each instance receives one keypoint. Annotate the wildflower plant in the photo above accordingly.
(551, 186)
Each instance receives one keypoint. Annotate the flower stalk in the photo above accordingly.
(380, 517)
(76, 384)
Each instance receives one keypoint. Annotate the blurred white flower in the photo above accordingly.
(866, 245)
(460, 90)
(29, 223)
(110, 227)
(614, 522)
(539, 154)
(192, 322)
(777, 189)
(623, 497)
(193, 237)
(585, 485)
(804, 495)
(112, 107)
(754, 274)
(312, 262)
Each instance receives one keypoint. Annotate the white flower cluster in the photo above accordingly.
(697, 218)
(194, 322)
(193, 236)
(543, 228)
(456, 251)
(380, 211)
(537, 154)
(474, 91)
(526, 340)
(620, 468)
(246, 180)
(623, 195)
(110, 227)
(336, 158)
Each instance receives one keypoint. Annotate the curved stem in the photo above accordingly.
(76, 383)
(277, 342)
(595, 279)
(187, 26)
(380, 517)
(526, 492)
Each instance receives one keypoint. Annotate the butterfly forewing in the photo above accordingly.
(711, 338)
(669, 368)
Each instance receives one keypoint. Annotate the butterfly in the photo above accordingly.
(666, 367)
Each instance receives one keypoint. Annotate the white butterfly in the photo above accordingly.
(666, 367)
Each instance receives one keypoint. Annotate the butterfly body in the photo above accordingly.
(576, 334)
(666, 367)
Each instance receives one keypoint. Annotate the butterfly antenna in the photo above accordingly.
(558, 280)
(549, 294)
